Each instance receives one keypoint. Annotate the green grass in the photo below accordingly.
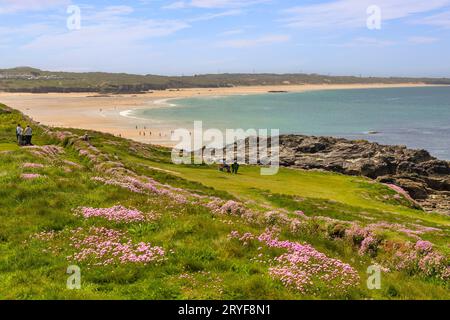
(214, 267)
(8, 147)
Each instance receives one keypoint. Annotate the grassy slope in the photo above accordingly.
(216, 266)
(328, 194)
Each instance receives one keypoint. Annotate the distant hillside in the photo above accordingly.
(26, 79)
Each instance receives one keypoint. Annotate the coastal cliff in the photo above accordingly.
(425, 178)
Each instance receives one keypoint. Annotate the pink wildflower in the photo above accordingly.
(33, 165)
(423, 246)
(303, 265)
(31, 176)
(116, 213)
(101, 247)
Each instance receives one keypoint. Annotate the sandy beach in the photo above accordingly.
(108, 113)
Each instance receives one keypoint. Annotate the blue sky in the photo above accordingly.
(173, 37)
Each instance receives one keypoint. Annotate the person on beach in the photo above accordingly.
(19, 132)
(28, 133)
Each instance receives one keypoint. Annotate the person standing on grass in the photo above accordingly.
(235, 167)
(28, 133)
(19, 132)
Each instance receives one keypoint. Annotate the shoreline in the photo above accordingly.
(110, 113)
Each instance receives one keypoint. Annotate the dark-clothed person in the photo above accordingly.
(28, 134)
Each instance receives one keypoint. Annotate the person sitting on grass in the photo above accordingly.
(28, 133)
(19, 132)
(224, 166)
(85, 137)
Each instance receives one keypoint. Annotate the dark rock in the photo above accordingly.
(424, 177)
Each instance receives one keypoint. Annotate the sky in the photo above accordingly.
(185, 37)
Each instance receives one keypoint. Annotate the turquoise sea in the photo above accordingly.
(416, 117)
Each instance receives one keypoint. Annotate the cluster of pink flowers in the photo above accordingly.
(421, 258)
(114, 182)
(369, 245)
(364, 238)
(245, 238)
(72, 164)
(137, 186)
(400, 191)
(301, 214)
(93, 149)
(31, 176)
(418, 229)
(33, 165)
(230, 207)
(61, 135)
(302, 266)
(116, 213)
(423, 246)
(276, 217)
(102, 247)
(357, 234)
(87, 154)
(296, 225)
(50, 151)
(45, 235)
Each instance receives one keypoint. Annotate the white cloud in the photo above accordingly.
(107, 14)
(211, 16)
(438, 20)
(107, 36)
(176, 5)
(213, 4)
(353, 13)
(12, 6)
(261, 41)
(422, 40)
(107, 29)
(368, 42)
(231, 32)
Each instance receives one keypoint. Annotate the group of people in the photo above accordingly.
(24, 136)
(234, 168)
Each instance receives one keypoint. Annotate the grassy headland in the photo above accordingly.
(140, 227)
(25, 79)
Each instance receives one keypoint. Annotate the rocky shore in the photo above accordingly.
(425, 178)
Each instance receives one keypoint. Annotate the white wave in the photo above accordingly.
(165, 102)
(129, 114)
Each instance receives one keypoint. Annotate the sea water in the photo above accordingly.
(418, 117)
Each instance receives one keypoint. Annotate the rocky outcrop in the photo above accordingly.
(424, 177)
